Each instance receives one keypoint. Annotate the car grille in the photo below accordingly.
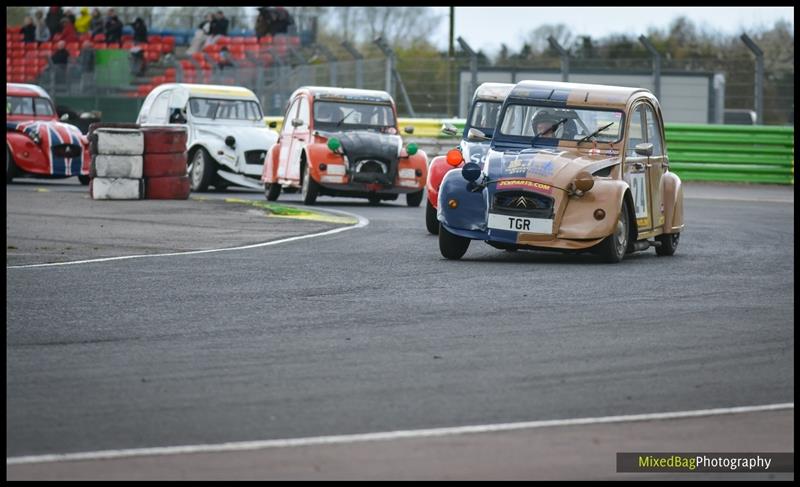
(67, 150)
(523, 203)
(255, 157)
(372, 171)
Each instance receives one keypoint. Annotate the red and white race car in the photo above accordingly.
(37, 143)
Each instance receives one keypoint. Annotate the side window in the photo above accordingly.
(654, 132)
(290, 114)
(304, 114)
(158, 111)
(636, 133)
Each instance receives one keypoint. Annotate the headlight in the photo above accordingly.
(230, 141)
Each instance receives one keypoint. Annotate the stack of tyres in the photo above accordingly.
(117, 163)
(165, 163)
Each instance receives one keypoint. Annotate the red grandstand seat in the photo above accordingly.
(17, 53)
(265, 40)
(154, 39)
(215, 56)
(237, 48)
(46, 45)
(144, 90)
(237, 40)
(165, 48)
(74, 53)
(153, 47)
(100, 45)
(294, 40)
(100, 37)
(127, 38)
(168, 40)
(86, 36)
(73, 45)
(212, 48)
(152, 56)
(251, 40)
(223, 41)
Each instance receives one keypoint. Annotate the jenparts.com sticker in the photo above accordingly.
(525, 184)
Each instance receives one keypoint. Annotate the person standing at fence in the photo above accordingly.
(113, 28)
(139, 30)
(53, 20)
(225, 59)
(86, 63)
(221, 24)
(263, 22)
(83, 22)
(28, 31)
(97, 25)
(200, 35)
(42, 31)
(61, 55)
(138, 64)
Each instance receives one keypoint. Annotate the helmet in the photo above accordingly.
(543, 116)
(325, 112)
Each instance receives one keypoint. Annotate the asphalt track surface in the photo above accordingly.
(372, 330)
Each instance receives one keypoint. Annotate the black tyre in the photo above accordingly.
(669, 243)
(374, 199)
(221, 185)
(414, 199)
(310, 189)
(272, 191)
(84, 179)
(614, 247)
(201, 170)
(11, 168)
(431, 222)
(452, 246)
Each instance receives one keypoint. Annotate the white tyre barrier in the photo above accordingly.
(105, 166)
(116, 141)
(117, 189)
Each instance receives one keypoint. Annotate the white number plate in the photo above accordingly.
(520, 224)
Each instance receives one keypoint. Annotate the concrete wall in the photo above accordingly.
(685, 98)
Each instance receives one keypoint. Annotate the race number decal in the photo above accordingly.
(639, 189)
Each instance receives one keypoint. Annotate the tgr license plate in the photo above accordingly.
(520, 224)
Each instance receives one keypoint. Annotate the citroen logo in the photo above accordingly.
(521, 202)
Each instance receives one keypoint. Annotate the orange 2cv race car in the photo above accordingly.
(37, 143)
(475, 138)
(571, 167)
(344, 142)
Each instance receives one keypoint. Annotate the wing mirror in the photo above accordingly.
(475, 134)
(449, 129)
(644, 149)
(409, 130)
(65, 117)
(297, 122)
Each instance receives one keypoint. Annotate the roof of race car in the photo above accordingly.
(575, 93)
(329, 93)
(22, 89)
(493, 91)
(216, 90)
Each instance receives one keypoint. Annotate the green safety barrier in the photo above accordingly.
(735, 153)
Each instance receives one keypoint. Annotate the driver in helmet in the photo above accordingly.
(325, 112)
(545, 125)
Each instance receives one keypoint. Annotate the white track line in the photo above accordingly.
(747, 200)
(362, 222)
(390, 435)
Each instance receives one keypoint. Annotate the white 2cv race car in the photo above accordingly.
(228, 139)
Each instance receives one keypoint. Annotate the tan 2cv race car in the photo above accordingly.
(571, 167)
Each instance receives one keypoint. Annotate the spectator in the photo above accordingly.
(71, 16)
(97, 25)
(139, 30)
(200, 35)
(61, 55)
(113, 28)
(225, 59)
(264, 22)
(282, 21)
(28, 31)
(86, 57)
(53, 20)
(67, 33)
(138, 65)
(42, 31)
(219, 27)
(84, 21)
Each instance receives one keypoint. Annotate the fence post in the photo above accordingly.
(333, 63)
(656, 65)
(359, 63)
(473, 66)
(759, 82)
(719, 98)
(392, 73)
(564, 57)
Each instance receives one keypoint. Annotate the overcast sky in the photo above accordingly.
(487, 27)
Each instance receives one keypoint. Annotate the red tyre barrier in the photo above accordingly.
(167, 188)
(164, 140)
(164, 165)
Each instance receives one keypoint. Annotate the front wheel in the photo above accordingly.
(414, 199)
(452, 246)
(613, 248)
(84, 179)
(272, 191)
(310, 189)
(431, 222)
(669, 243)
(201, 170)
